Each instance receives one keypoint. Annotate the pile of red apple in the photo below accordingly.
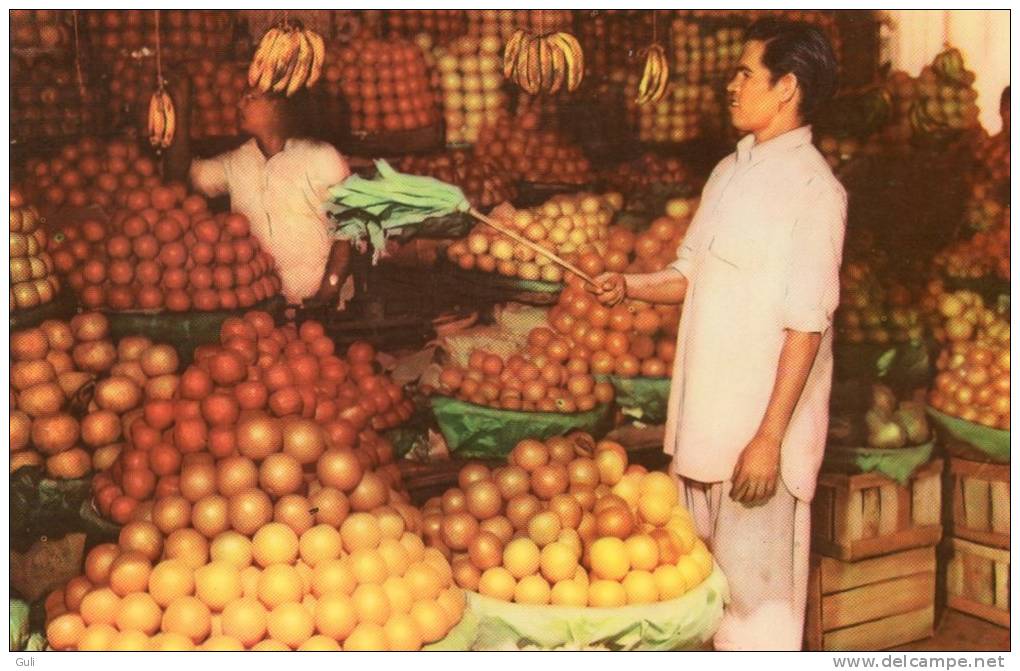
(183, 33)
(532, 154)
(484, 183)
(442, 24)
(216, 89)
(46, 100)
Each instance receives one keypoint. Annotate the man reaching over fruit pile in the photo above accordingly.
(758, 273)
(279, 180)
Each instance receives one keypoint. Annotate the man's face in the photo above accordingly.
(258, 112)
(754, 100)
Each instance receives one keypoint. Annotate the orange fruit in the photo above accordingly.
(333, 575)
(432, 620)
(453, 601)
(690, 570)
(188, 616)
(233, 548)
(368, 566)
(424, 581)
(532, 589)
(98, 562)
(399, 593)
(250, 581)
(402, 633)
(319, 643)
(371, 604)
(335, 615)
(275, 543)
(145, 537)
(521, 557)
(100, 606)
(669, 582)
(269, 645)
(170, 579)
(395, 556)
(360, 531)
(569, 593)
(187, 545)
(497, 583)
(655, 509)
(133, 641)
(170, 642)
(414, 545)
(366, 637)
(320, 543)
(438, 561)
(139, 612)
(75, 590)
(305, 572)
(64, 631)
(221, 643)
(130, 573)
(97, 637)
(640, 587)
(609, 558)
(217, 584)
(606, 594)
(290, 624)
(558, 562)
(279, 584)
(642, 552)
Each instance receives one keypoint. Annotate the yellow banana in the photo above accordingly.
(170, 117)
(288, 60)
(575, 59)
(318, 56)
(258, 62)
(302, 66)
(513, 47)
(533, 72)
(559, 67)
(156, 121)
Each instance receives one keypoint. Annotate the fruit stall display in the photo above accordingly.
(613, 38)
(386, 85)
(263, 407)
(183, 34)
(888, 422)
(442, 25)
(164, 250)
(569, 225)
(31, 269)
(702, 53)
(501, 23)
(946, 99)
(685, 112)
(470, 80)
(132, 79)
(973, 367)
(216, 89)
(484, 183)
(73, 392)
(48, 102)
(646, 171)
(984, 254)
(871, 312)
(44, 29)
(984, 208)
(88, 172)
(533, 154)
(567, 522)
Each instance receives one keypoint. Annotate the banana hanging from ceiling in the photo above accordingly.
(287, 59)
(543, 63)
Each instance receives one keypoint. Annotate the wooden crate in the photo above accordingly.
(866, 515)
(977, 581)
(980, 502)
(872, 604)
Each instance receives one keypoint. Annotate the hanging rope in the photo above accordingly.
(159, 57)
(77, 57)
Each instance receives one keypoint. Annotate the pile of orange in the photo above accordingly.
(73, 392)
(366, 583)
(270, 409)
(568, 523)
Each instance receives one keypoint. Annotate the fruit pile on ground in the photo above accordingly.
(386, 85)
(973, 378)
(872, 313)
(484, 183)
(442, 25)
(653, 248)
(33, 281)
(47, 101)
(183, 33)
(72, 392)
(648, 170)
(542, 379)
(166, 250)
(984, 254)
(269, 407)
(352, 581)
(531, 154)
(686, 111)
(568, 523)
(39, 29)
(574, 226)
(216, 88)
(470, 80)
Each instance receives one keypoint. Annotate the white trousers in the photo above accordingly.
(764, 552)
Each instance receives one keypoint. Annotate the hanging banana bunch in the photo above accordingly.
(655, 77)
(162, 119)
(287, 58)
(543, 62)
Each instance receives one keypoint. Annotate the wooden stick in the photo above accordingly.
(539, 249)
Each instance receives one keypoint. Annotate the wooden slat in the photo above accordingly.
(905, 507)
(888, 508)
(980, 469)
(1000, 507)
(880, 545)
(994, 554)
(822, 513)
(986, 538)
(870, 602)
(978, 574)
(1001, 586)
(813, 616)
(987, 613)
(977, 500)
(838, 576)
(841, 516)
(869, 513)
(884, 633)
(927, 500)
(954, 575)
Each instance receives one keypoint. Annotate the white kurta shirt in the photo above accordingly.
(283, 197)
(762, 256)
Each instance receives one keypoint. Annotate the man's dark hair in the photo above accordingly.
(301, 115)
(801, 49)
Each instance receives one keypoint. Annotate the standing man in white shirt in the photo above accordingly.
(280, 181)
(758, 274)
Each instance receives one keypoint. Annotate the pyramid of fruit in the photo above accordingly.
(164, 249)
(685, 112)
(470, 80)
(183, 33)
(484, 183)
(568, 522)
(442, 25)
(946, 96)
(31, 268)
(48, 102)
(216, 88)
(72, 391)
(531, 154)
(984, 254)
